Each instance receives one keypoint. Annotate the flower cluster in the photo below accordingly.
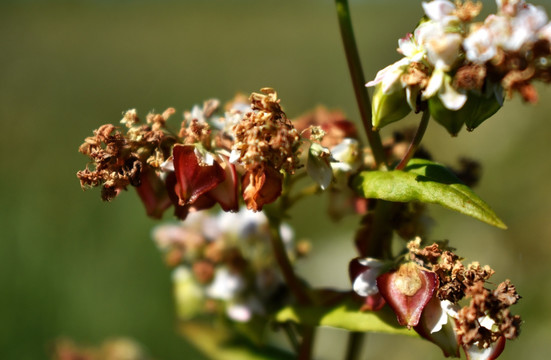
(241, 154)
(125, 159)
(425, 291)
(225, 262)
(461, 69)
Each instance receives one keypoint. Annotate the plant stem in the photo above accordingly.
(307, 343)
(294, 284)
(291, 335)
(358, 81)
(416, 141)
(380, 239)
(354, 347)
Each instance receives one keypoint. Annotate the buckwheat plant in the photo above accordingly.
(248, 159)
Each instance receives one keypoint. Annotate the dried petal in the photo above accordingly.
(226, 192)
(153, 193)
(193, 178)
(260, 187)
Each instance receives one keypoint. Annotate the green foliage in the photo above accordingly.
(344, 315)
(217, 344)
(427, 182)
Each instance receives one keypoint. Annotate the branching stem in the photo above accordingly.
(292, 281)
(416, 141)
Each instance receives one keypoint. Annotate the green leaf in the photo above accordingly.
(217, 344)
(344, 315)
(427, 182)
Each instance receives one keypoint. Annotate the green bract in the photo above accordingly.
(476, 110)
(427, 182)
(388, 108)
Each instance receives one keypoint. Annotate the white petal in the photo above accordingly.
(480, 46)
(205, 156)
(234, 156)
(451, 99)
(438, 10)
(443, 50)
(435, 82)
(365, 284)
(197, 113)
(239, 312)
(168, 164)
(390, 75)
(411, 96)
(347, 155)
(407, 46)
(492, 352)
(437, 320)
(486, 322)
(225, 285)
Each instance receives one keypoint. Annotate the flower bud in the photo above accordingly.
(389, 107)
(318, 166)
(476, 110)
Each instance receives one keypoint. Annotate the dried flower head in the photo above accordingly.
(265, 137)
(487, 316)
(119, 159)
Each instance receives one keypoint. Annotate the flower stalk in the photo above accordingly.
(354, 347)
(280, 254)
(416, 141)
(358, 81)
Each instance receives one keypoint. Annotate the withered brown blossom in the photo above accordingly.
(120, 159)
(266, 142)
(487, 316)
(467, 10)
(265, 136)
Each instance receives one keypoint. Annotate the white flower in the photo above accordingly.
(390, 75)
(441, 11)
(365, 284)
(347, 155)
(410, 48)
(196, 114)
(442, 47)
(244, 311)
(480, 45)
(226, 285)
(440, 83)
(167, 235)
(514, 29)
(436, 320)
(525, 26)
(509, 7)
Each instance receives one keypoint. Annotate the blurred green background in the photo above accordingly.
(73, 266)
